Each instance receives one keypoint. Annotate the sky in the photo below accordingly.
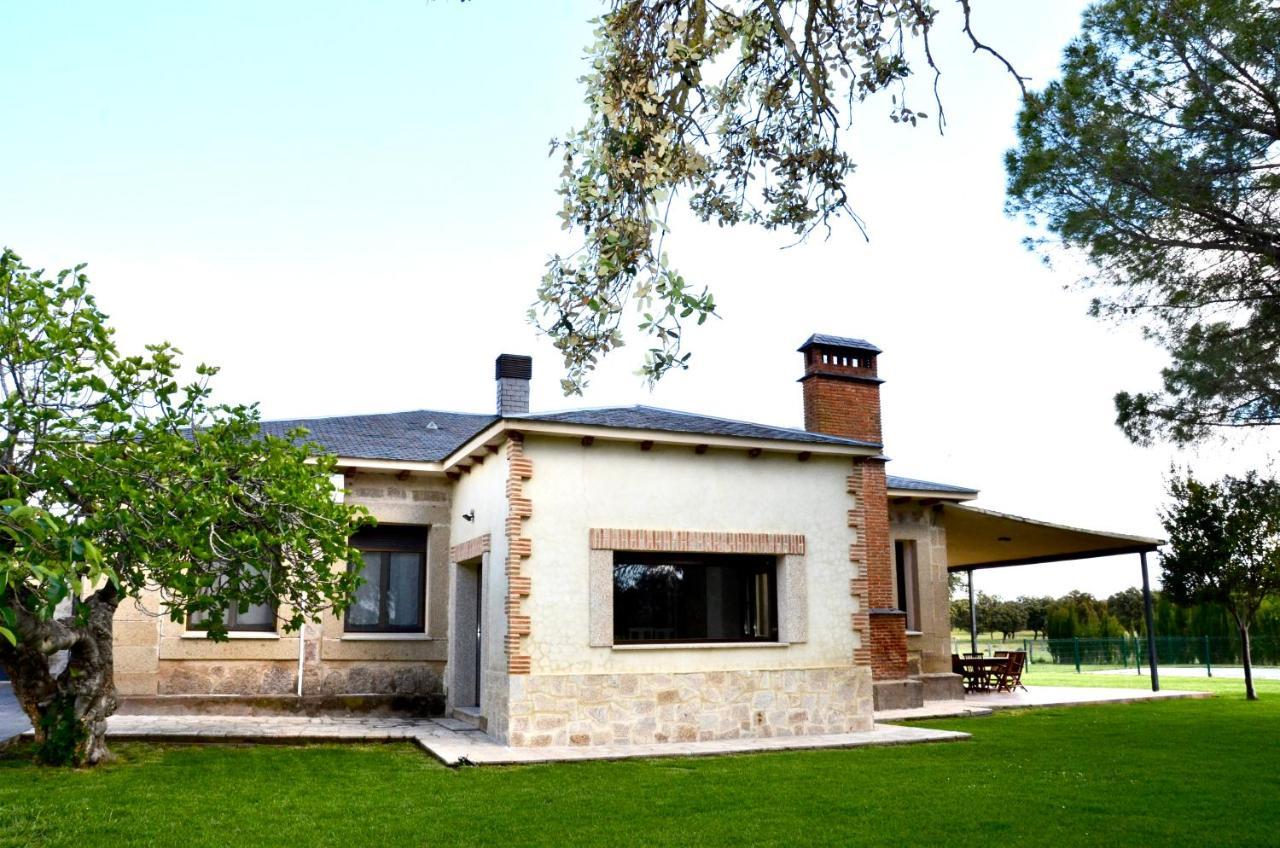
(348, 206)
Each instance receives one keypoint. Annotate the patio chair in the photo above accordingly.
(1010, 677)
(976, 678)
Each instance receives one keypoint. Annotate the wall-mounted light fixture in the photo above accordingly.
(469, 516)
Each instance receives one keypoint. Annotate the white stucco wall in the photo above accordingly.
(484, 492)
(615, 485)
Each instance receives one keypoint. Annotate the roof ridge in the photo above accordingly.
(797, 430)
(380, 415)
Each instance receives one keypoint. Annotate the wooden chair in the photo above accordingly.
(1010, 677)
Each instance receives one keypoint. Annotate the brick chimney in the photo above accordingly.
(842, 398)
(513, 374)
(841, 389)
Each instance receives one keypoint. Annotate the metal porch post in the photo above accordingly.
(973, 617)
(1148, 611)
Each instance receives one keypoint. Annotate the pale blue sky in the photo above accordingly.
(348, 206)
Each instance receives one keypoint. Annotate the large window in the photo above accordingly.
(906, 578)
(393, 597)
(694, 598)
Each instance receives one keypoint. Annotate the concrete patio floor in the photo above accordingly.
(984, 703)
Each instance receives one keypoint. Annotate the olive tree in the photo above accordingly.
(116, 481)
(737, 108)
(1224, 548)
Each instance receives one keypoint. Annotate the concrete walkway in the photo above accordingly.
(457, 743)
(451, 741)
(983, 703)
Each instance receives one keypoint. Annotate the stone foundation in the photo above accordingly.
(602, 709)
(266, 677)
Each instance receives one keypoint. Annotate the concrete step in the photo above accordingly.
(470, 716)
(897, 694)
(942, 686)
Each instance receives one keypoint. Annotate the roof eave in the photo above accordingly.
(662, 437)
(932, 494)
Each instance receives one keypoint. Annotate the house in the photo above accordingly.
(624, 574)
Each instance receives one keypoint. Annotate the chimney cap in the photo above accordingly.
(513, 365)
(825, 340)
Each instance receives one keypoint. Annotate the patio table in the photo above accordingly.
(977, 671)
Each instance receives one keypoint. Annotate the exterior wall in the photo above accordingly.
(779, 688)
(482, 494)
(157, 656)
(928, 647)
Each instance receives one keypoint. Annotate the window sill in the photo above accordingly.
(698, 646)
(234, 634)
(387, 637)
(915, 632)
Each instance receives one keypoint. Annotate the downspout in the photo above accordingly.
(302, 642)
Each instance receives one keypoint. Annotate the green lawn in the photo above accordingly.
(1050, 675)
(1177, 772)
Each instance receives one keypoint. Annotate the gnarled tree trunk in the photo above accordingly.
(69, 710)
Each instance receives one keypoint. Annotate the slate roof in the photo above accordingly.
(838, 341)
(411, 436)
(427, 435)
(927, 486)
(673, 421)
(397, 435)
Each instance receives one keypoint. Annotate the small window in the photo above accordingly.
(694, 598)
(393, 597)
(906, 580)
(257, 618)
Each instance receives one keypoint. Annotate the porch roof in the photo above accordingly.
(981, 538)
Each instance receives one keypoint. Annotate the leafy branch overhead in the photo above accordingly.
(735, 108)
(1158, 155)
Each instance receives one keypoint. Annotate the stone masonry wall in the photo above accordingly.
(157, 656)
(602, 709)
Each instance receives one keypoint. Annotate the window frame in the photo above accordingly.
(383, 551)
(906, 580)
(232, 616)
(701, 560)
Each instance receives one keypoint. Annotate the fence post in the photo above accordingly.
(1137, 655)
(1208, 663)
(1075, 649)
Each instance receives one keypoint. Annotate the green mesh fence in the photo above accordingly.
(1130, 652)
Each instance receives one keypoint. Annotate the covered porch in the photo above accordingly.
(981, 539)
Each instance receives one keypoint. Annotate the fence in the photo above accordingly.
(1131, 652)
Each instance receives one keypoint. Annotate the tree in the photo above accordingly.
(115, 481)
(1224, 548)
(738, 106)
(1129, 609)
(1155, 156)
(1008, 617)
(987, 606)
(1037, 611)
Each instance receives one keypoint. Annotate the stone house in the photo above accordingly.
(625, 574)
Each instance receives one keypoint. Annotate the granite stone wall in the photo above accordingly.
(601, 709)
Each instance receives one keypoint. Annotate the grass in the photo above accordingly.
(1175, 772)
(1049, 675)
